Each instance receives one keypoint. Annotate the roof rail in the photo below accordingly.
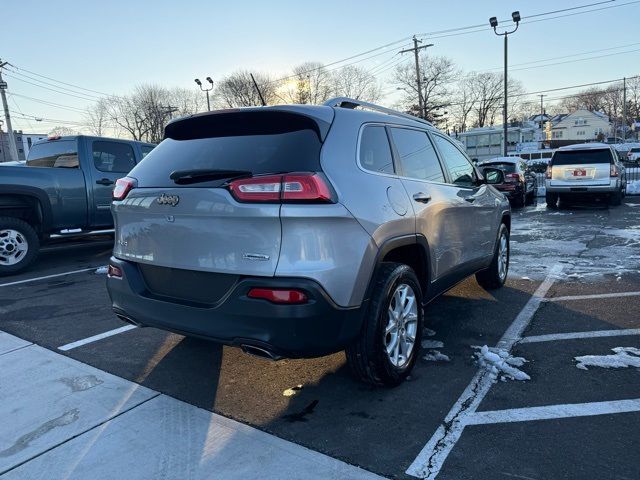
(346, 102)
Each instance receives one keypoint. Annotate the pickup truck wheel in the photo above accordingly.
(19, 245)
(495, 276)
(389, 343)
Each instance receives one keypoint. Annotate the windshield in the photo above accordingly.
(579, 157)
(54, 154)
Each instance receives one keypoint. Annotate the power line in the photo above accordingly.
(21, 76)
(53, 90)
(63, 83)
(45, 102)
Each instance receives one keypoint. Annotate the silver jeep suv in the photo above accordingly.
(299, 231)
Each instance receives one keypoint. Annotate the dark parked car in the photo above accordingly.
(64, 190)
(520, 184)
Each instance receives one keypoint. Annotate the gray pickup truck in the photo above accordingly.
(63, 190)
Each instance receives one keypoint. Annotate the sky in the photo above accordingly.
(112, 46)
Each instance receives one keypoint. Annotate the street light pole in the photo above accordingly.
(493, 21)
(206, 90)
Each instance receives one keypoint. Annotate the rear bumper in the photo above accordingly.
(611, 187)
(316, 328)
(511, 191)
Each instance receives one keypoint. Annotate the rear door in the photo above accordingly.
(109, 160)
(434, 203)
(198, 224)
(576, 168)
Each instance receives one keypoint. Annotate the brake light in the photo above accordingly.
(547, 173)
(122, 188)
(278, 295)
(614, 171)
(293, 187)
(512, 178)
(54, 137)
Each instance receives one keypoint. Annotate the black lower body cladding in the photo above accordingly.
(316, 328)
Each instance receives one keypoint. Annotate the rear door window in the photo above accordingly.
(375, 152)
(417, 157)
(114, 157)
(259, 143)
(54, 154)
(581, 157)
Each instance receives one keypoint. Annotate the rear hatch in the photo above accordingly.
(182, 214)
(511, 177)
(576, 168)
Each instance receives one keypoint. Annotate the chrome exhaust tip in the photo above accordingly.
(259, 352)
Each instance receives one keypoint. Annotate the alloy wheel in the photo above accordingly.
(402, 325)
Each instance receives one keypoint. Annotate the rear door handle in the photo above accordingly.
(104, 181)
(421, 197)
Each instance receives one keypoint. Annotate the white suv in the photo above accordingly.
(587, 168)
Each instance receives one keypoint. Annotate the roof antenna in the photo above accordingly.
(264, 104)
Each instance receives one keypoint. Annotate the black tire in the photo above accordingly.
(520, 200)
(367, 356)
(491, 278)
(530, 197)
(552, 200)
(616, 198)
(26, 234)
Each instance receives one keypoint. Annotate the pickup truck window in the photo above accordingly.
(54, 154)
(146, 149)
(113, 157)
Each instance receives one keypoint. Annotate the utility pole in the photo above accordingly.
(415, 50)
(624, 109)
(13, 149)
(542, 135)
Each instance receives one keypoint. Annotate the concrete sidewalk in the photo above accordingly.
(65, 419)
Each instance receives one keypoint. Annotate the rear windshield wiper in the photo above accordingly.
(185, 177)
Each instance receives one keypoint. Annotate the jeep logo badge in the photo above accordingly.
(165, 199)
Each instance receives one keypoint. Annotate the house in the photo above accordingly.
(578, 127)
(23, 143)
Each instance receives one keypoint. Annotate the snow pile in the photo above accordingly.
(633, 188)
(428, 332)
(432, 344)
(500, 362)
(436, 356)
(102, 270)
(624, 357)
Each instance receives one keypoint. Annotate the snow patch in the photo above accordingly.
(432, 344)
(102, 270)
(624, 357)
(500, 363)
(428, 332)
(436, 356)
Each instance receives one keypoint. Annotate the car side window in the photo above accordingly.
(418, 158)
(461, 171)
(146, 149)
(113, 157)
(375, 151)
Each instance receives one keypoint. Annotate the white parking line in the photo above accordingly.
(550, 412)
(432, 457)
(552, 337)
(592, 297)
(47, 276)
(95, 338)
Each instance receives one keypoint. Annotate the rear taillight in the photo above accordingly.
(547, 173)
(512, 178)
(292, 187)
(278, 295)
(122, 188)
(614, 171)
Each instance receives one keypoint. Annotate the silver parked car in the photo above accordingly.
(299, 231)
(585, 169)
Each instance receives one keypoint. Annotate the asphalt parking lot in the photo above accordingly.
(573, 290)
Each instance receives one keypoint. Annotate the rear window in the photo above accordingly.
(581, 157)
(505, 167)
(260, 144)
(54, 154)
(635, 150)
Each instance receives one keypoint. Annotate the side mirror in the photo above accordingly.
(493, 176)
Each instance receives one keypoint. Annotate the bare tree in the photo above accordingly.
(62, 131)
(439, 74)
(311, 83)
(96, 117)
(238, 90)
(355, 82)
